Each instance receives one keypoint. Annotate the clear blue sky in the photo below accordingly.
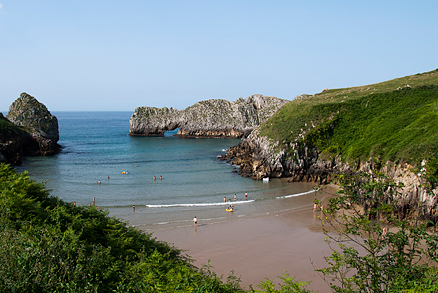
(118, 55)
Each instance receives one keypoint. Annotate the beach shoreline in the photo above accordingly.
(255, 248)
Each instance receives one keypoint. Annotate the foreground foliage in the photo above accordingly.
(47, 245)
(372, 249)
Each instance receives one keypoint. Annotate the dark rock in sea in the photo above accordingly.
(210, 118)
(28, 130)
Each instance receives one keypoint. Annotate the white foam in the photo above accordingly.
(297, 194)
(197, 204)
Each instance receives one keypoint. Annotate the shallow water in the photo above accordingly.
(96, 146)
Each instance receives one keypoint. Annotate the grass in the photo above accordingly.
(8, 129)
(386, 121)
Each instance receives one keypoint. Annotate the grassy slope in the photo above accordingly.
(388, 120)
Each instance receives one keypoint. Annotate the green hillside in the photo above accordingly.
(395, 120)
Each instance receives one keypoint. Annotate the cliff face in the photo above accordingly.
(258, 157)
(210, 118)
(28, 129)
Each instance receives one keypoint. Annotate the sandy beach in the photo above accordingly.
(260, 247)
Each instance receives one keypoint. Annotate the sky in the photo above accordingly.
(108, 55)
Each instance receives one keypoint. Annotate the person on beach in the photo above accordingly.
(161, 177)
(98, 182)
(155, 178)
(94, 200)
(314, 207)
(133, 208)
(195, 221)
(225, 199)
(235, 197)
(74, 203)
(246, 194)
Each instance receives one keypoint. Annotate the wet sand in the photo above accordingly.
(258, 248)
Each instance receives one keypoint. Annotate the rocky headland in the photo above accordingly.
(29, 129)
(209, 118)
(379, 128)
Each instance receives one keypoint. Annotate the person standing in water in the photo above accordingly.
(195, 221)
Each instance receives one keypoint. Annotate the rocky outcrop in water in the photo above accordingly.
(210, 118)
(29, 129)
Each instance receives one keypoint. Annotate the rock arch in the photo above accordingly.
(208, 118)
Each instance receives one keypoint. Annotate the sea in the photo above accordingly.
(102, 166)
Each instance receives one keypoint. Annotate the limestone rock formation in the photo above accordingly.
(257, 157)
(209, 118)
(28, 129)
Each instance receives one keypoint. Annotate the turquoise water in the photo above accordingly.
(96, 146)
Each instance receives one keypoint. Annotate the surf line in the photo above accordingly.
(197, 204)
(297, 194)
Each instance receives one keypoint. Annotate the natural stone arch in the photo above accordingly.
(209, 118)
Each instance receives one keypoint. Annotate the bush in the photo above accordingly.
(366, 256)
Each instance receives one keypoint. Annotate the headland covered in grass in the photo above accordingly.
(393, 121)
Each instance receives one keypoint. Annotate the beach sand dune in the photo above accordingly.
(260, 247)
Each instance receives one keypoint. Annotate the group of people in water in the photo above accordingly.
(126, 172)
(229, 208)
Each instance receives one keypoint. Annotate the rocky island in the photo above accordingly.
(209, 118)
(29, 129)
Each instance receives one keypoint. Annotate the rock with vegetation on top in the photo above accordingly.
(28, 129)
(209, 118)
(387, 127)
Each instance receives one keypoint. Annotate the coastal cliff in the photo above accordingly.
(388, 127)
(209, 118)
(28, 129)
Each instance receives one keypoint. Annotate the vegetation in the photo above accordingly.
(394, 120)
(48, 245)
(375, 251)
(8, 129)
